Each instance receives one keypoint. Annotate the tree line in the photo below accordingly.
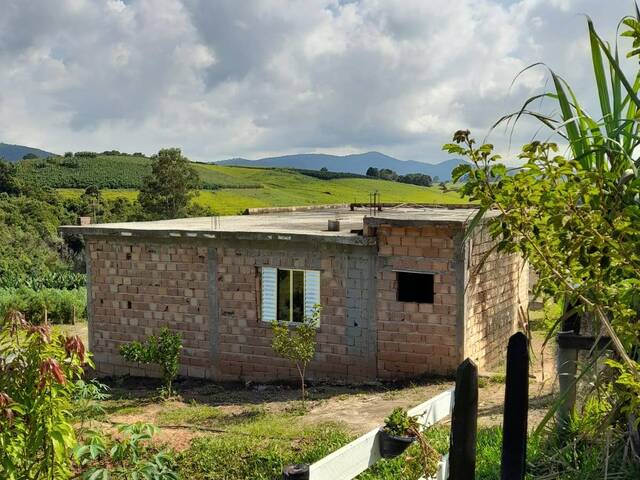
(412, 178)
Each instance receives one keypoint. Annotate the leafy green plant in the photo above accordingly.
(162, 350)
(575, 217)
(38, 372)
(86, 401)
(130, 456)
(399, 423)
(297, 343)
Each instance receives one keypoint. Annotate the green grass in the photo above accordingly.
(280, 188)
(258, 447)
(192, 415)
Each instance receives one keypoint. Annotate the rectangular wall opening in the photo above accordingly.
(415, 287)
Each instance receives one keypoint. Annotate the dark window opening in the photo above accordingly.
(415, 287)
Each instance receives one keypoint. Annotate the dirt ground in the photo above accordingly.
(358, 408)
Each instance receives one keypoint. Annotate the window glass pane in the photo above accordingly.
(298, 296)
(284, 295)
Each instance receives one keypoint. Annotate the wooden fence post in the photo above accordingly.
(464, 423)
(516, 406)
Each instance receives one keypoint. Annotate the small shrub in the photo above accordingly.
(162, 350)
(297, 343)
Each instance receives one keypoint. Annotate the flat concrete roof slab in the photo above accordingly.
(312, 223)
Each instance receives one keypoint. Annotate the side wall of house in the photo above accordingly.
(137, 287)
(497, 287)
(417, 338)
(209, 292)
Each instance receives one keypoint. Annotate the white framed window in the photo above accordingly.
(289, 295)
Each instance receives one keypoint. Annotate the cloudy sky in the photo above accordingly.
(250, 78)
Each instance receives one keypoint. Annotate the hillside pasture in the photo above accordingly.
(285, 188)
(227, 190)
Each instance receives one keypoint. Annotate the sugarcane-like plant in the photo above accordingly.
(574, 212)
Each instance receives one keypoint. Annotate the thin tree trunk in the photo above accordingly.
(301, 372)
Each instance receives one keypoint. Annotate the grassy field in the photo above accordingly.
(279, 188)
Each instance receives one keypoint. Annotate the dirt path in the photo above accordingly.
(363, 412)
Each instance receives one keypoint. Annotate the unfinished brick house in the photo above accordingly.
(401, 292)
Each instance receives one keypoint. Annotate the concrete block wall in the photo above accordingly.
(497, 287)
(135, 288)
(346, 338)
(209, 291)
(210, 294)
(414, 338)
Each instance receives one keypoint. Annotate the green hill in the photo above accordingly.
(14, 153)
(228, 189)
(110, 171)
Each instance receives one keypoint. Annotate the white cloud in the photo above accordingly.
(226, 78)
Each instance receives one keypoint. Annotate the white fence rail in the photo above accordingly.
(354, 458)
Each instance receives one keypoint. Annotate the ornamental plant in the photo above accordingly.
(38, 371)
(162, 350)
(574, 212)
(400, 424)
(297, 342)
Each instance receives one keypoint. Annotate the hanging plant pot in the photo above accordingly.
(393, 445)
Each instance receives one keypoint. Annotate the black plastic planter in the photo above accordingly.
(296, 472)
(391, 445)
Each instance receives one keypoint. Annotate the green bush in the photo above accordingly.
(163, 350)
(59, 304)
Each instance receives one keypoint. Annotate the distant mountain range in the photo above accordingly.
(356, 163)
(13, 153)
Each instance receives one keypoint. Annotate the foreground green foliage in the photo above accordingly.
(129, 456)
(575, 217)
(38, 369)
(162, 350)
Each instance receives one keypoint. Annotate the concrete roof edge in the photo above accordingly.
(357, 240)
